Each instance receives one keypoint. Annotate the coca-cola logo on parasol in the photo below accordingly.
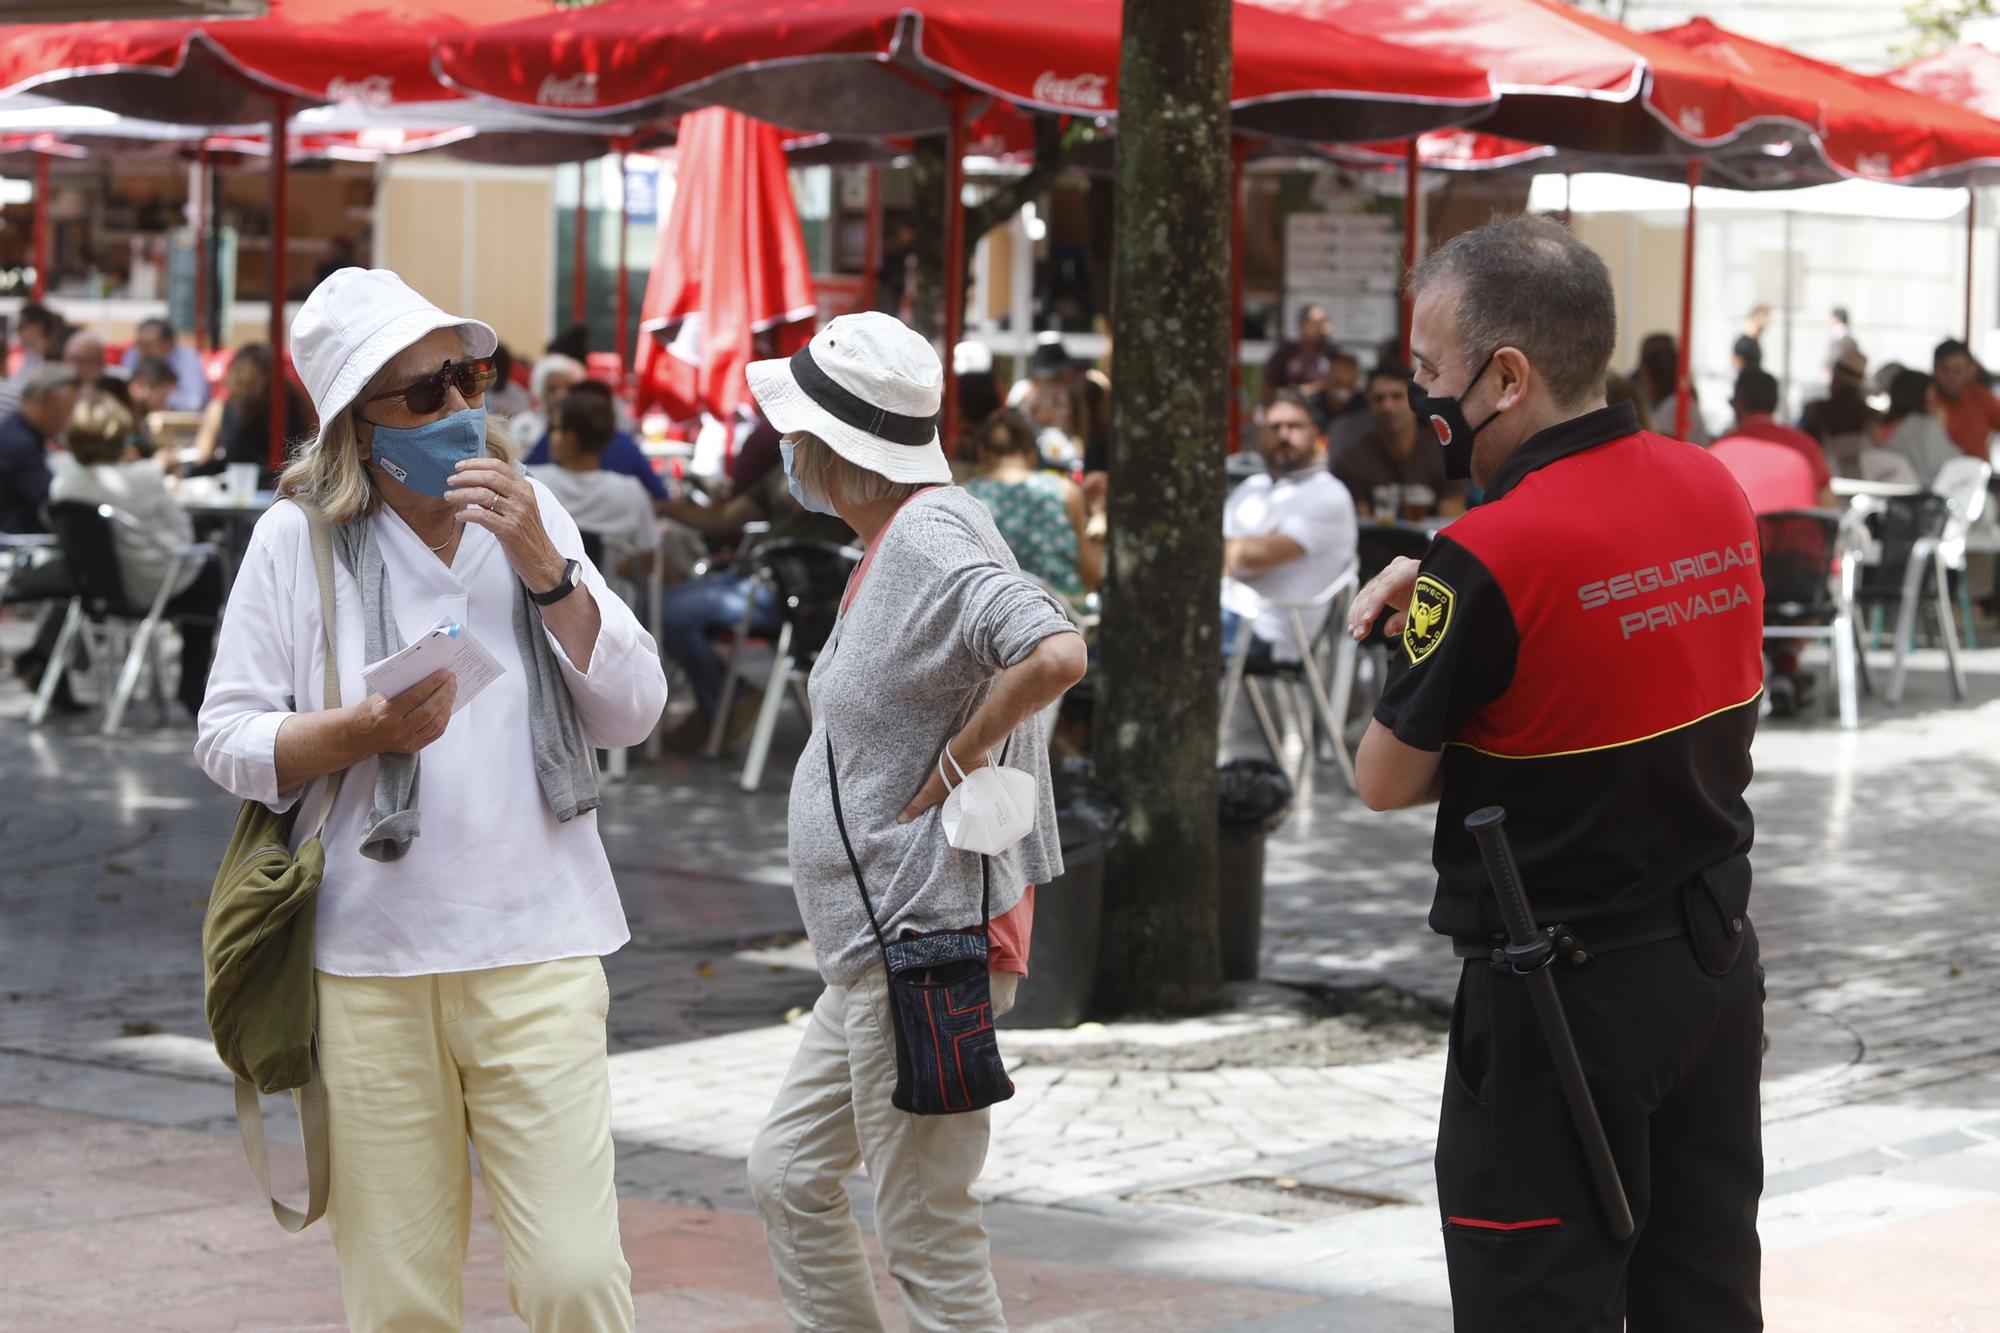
(1693, 120)
(1874, 164)
(576, 90)
(1079, 90)
(372, 90)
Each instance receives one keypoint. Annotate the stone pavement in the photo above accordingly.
(123, 1203)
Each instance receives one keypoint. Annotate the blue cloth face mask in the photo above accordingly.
(424, 457)
(806, 502)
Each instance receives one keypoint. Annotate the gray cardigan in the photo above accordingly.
(943, 610)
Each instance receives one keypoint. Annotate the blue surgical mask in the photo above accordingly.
(806, 502)
(424, 457)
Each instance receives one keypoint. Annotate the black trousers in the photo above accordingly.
(1673, 1057)
(46, 582)
(195, 612)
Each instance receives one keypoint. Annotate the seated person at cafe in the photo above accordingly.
(1756, 404)
(1971, 412)
(1287, 534)
(1658, 378)
(1338, 392)
(693, 611)
(155, 341)
(107, 472)
(621, 455)
(609, 504)
(1040, 514)
(237, 428)
(1913, 425)
(47, 393)
(1845, 392)
(1396, 453)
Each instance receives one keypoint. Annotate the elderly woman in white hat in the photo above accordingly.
(943, 656)
(462, 918)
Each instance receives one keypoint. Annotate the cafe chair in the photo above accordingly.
(807, 578)
(1963, 483)
(100, 614)
(1907, 531)
(1300, 690)
(642, 594)
(1811, 560)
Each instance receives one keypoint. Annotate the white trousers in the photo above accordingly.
(512, 1059)
(832, 1115)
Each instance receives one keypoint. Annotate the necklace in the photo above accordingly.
(441, 545)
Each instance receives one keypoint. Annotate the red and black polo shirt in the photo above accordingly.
(1586, 649)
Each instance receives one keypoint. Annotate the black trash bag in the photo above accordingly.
(1252, 794)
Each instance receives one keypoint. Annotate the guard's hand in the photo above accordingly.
(1391, 588)
(411, 720)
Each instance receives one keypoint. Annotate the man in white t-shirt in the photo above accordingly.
(611, 505)
(1287, 535)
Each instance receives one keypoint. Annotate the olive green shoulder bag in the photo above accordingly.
(257, 952)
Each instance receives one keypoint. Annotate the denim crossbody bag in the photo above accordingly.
(940, 1001)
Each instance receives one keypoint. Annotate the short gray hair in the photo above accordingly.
(1527, 283)
(38, 382)
(555, 363)
(816, 468)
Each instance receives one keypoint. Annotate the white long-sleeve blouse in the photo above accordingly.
(493, 879)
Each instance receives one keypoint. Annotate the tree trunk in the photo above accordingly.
(927, 175)
(1159, 654)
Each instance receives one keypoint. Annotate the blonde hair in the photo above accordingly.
(99, 430)
(330, 471)
(818, 469)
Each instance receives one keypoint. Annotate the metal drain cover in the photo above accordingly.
(1276, 1198)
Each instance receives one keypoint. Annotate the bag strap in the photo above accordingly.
(312, 1129)
(854, 862)
(322, 548)
(311, 1096)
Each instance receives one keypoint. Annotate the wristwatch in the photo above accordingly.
(572, 575)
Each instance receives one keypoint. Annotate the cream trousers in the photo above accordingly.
(513, 1059)
(832, 1115)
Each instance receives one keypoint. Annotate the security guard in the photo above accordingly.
(1583, 649)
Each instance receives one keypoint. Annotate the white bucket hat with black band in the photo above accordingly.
(870, 387)
(359, 320)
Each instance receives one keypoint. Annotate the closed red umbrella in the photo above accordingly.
(731, 265)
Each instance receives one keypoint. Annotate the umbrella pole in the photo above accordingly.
(1238, 151)
(578, 311)
(41, 226)
(624, 305)
(1684, 388)
(1412, 204)
(954, 265)
(280, 238)
(1971, 233)
(200, 221)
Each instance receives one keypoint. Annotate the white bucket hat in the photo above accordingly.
(358, 321)
(868, 385)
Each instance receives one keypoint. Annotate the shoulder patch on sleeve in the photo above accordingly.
(1430, 617)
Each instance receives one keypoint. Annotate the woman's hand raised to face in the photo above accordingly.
(489, 494)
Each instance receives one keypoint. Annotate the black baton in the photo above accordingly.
(1529, 952)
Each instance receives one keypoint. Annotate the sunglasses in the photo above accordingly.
(426, 393)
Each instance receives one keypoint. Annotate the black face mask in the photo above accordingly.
(1447, 419)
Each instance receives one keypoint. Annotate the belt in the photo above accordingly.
(1571, 946)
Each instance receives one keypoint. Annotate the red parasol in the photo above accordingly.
(880, 67)
(226, 71)
(1867, 126)
(732, 264)
(235, 71)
